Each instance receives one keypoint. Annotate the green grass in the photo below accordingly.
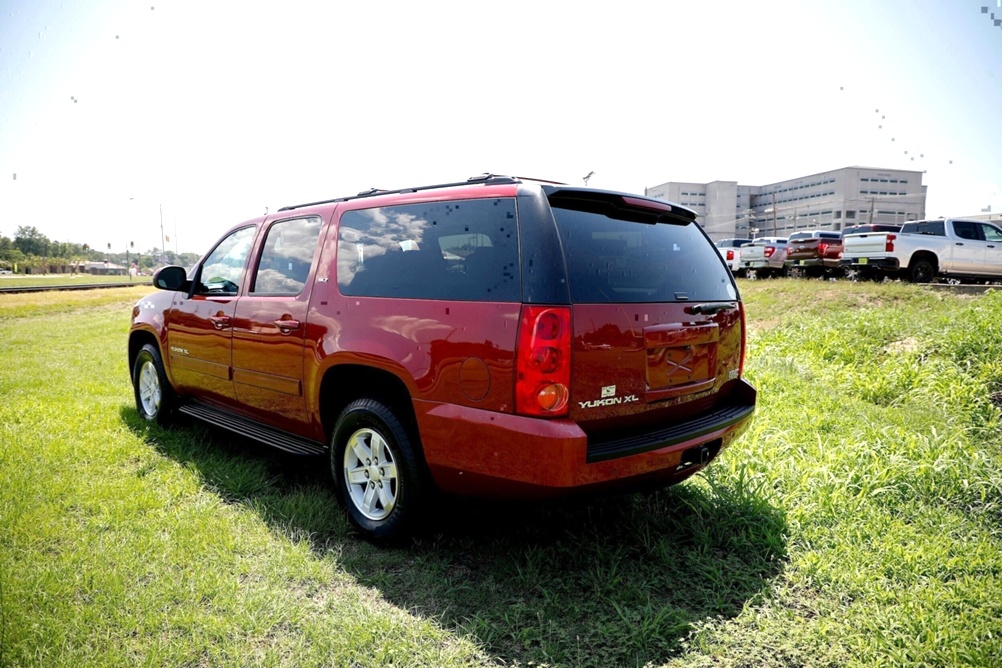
(858, 522)
(41, 280)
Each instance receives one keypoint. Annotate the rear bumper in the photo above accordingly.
(777, 265)
(813, 262)
(872, 263)
(482, 453)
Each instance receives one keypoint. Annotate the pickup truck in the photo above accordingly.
(813, 253)
(730, 250)
(925, 250)
(764, 257)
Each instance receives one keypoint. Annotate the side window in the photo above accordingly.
(223, 270)
(465, 250)
(991, 233)
(287, 257)
(932, 227)
(965, 230)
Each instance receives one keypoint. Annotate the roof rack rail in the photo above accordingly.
(483, 179)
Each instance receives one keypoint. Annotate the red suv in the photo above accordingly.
(495, 337)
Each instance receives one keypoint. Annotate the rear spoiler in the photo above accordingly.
(619, 205)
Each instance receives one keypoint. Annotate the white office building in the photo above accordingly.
(827, 201)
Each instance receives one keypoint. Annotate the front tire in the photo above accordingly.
(376, 470)
(155, 397)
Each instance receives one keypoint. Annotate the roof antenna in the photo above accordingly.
(588, 176)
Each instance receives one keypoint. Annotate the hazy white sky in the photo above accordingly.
(218, 109)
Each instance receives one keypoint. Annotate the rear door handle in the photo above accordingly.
(287, 325)
(710, 309)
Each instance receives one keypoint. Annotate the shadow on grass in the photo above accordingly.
(610, 581)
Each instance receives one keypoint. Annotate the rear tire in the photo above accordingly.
(155, 398)
(922, 271)
(377, 471)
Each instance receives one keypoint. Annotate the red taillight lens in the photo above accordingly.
(730, 256)
(822, 249)
(889, 244)
(543, 361)
(769, 250)
(744, 339)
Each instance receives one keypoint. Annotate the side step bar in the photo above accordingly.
(253, 429)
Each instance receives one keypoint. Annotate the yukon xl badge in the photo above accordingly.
(609, 398)
(179, 351)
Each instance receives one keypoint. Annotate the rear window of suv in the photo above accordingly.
(465, 250)
(613, 260)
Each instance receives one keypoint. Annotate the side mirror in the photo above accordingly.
(171, 278)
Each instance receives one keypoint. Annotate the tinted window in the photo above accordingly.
(286, 257)
(930, 227)
(459, 250)
(612, 260)
(223, 269)
(732, 243)
(965, 230)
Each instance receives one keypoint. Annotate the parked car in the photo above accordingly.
(730, 250)
(925, 250)
(764, 257)
(494, 337)
(813, 253)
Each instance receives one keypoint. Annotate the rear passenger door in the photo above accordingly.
(270, 323)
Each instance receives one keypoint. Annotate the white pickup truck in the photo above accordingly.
(927, 249)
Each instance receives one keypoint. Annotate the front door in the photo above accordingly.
(993, 248)
(199, 339)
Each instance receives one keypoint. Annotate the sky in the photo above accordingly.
(116, 115)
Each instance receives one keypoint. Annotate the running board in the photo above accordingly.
(253, 429)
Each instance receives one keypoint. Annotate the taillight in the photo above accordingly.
(822, 249)
(769, 250)
(744, 340)
(730, 256)
(889, 243)
(543, 361)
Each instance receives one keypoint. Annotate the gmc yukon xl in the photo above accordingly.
(494, 337)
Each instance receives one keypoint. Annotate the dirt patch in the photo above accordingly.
(996, 399)
(908, 345)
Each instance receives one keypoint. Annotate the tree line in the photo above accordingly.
(30, 251)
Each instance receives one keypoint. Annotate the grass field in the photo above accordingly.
(858, 522)
(40, 280)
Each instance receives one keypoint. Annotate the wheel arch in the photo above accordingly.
(928, 256)
(344, 383)
(137, 339)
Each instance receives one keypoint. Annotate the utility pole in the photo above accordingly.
(871, 210)
(163, 246)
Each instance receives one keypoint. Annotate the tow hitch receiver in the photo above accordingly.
(697, 456)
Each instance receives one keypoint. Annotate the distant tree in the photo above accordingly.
(30, 241)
